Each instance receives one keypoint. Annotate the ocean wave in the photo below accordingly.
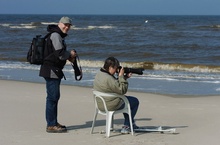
(178, 67)
(49, 23)
(210, 26)
(5, 25)
(99, 64)
(100, 27)
(147, 66)
(186, 67)
(34, 24)
(21, 26)
(159, 66)
(37, 24)
(215, 26)
(92, 27)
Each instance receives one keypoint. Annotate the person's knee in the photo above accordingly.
(137, 102)
(133, 100)
(54, 97)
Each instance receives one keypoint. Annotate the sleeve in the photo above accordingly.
(119, 86)
(59, 46)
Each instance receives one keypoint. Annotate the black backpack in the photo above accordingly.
(35, 53)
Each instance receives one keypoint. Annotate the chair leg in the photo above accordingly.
(131, 124)
(108, 123)
(93, 123)
(112, 124)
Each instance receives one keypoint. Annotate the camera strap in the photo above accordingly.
(77, 69)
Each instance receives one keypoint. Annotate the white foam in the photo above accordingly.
(188, 69)
(22, 27)
(5, 25)
(49, 23)
(92, 27)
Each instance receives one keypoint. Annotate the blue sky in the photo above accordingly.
(134, 7)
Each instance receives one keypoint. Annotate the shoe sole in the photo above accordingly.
(55, 131)
(125, 132)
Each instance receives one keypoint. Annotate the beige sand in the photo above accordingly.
(22, 107)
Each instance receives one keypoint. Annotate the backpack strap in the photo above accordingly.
(48, 34)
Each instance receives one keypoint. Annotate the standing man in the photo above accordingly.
(55, 55)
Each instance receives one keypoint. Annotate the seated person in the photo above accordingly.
(105, 81)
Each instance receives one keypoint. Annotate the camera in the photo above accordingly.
(127, 70)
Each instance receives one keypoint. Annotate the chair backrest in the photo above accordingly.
(103, 102)
(100, 95)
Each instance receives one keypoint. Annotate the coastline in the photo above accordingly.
(23, 122)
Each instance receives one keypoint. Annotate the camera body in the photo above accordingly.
(127, 70)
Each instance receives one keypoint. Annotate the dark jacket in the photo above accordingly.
(55, 54)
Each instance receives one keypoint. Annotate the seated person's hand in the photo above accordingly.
(129, 75)
(121, 72)
(126, 76)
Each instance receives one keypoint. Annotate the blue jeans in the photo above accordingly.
(134, 104)
(53, 96)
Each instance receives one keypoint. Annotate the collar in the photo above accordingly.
(103, 70)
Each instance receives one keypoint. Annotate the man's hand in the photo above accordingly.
(128, 75)
(73, 55)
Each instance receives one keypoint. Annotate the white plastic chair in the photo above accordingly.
(110, 114)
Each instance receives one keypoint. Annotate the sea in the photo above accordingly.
(180, 54)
